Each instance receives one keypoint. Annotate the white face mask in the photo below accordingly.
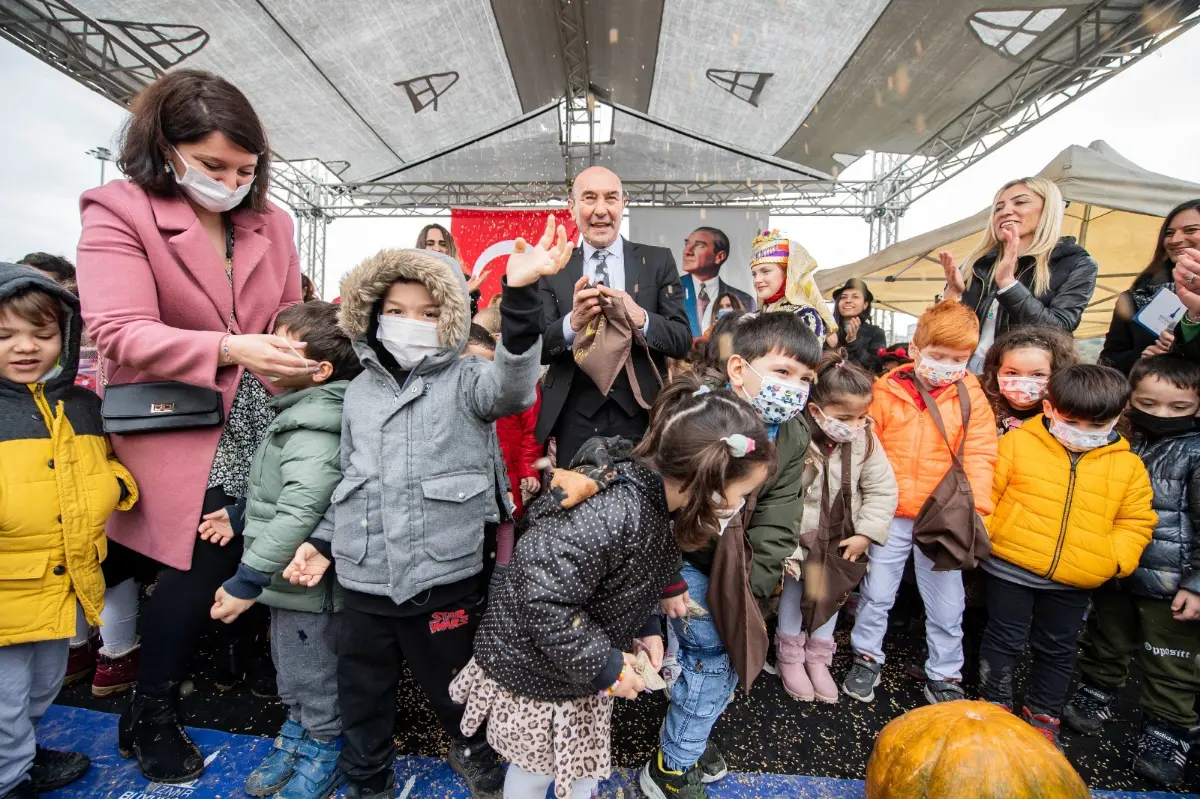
(726, 516)
(1022, 390)
(408, 340)
(1078, 440)
(835, 429)
(207, 193)
(938, 374)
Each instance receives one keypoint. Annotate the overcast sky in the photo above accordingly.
(1148, 114)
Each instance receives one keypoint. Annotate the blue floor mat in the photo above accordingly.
(231, 757)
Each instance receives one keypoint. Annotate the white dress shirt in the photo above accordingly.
(615, 266)
(712, 288)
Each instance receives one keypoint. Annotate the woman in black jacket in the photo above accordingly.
(1023, 271)
(862, 340)
(583, 585)
(1127, 341)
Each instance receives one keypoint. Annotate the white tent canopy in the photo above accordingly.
(1115, 210)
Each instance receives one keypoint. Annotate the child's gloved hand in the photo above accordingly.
(529, 488)
(1185, 606)
(216, 529)
(227, 608)
(307, 568)
(854, 547)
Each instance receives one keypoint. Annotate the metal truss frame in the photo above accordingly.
(1107, 37)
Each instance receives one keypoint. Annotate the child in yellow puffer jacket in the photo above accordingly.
(59, 483)
(1073, 510)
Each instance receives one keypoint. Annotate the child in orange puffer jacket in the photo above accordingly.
(946, 336)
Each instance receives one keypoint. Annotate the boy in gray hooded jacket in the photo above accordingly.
(422, 477)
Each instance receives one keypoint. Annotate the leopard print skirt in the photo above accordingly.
(568, 739)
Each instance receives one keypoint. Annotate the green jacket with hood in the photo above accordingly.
(295, 471)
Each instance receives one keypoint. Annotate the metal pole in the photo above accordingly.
(101, 154)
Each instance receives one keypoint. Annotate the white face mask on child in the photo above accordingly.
(408, 340)
(1022, 390)
(938, 374)
(1076, 440)
(726, 516)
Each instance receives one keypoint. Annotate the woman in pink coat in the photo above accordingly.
(182, 269)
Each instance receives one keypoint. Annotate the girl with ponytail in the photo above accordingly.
(559, 638)
(850, 495)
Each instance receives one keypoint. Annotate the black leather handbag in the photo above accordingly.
(154, 407)
(132, 408)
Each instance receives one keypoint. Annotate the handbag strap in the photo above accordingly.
(963, 403)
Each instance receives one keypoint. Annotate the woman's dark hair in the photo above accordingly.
(735, 303)
(868, 299)
(316, 324)
(1053, 340)
(450, 244)
(1088, 392)
(684, 443)
(62, 269)
(709, 354)
(1172, 369)
(185, 106)
(1159, 262)
(308, 291)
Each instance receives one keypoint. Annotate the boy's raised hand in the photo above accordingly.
(227, 608)
(307, 568)
(547, 257)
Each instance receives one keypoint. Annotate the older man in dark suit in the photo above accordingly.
(606, 268)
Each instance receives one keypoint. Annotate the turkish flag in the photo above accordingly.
(485, 239)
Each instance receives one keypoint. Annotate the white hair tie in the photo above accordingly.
(739, 445)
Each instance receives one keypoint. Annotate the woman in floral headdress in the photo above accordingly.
(782, 272)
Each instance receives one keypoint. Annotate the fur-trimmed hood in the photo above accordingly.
(365, 286)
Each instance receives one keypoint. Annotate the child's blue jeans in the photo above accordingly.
(706, 682)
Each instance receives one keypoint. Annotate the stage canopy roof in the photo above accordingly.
(1115, 210)
(686, 91)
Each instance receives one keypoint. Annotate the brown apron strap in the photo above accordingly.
(636, 333)
(963, 402)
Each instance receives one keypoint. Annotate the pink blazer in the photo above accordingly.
(156, 302)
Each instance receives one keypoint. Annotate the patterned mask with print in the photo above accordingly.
(1078, 440)
(1022, 390)
(776, 401)
(938, 374)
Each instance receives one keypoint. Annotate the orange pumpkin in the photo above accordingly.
(966, 748)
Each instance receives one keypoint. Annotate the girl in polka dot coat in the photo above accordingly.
(557, 642)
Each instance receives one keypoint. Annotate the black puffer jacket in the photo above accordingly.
(1172, 560)
(586, 577)
(1072, 283)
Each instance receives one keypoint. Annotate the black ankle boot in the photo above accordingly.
(150, 730)
(52, 769)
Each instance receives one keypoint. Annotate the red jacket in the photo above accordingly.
(520, 447)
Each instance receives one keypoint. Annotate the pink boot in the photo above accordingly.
(789, 659)
(819, 656)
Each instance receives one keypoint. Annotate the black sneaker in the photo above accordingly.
(52, 770)
(23, 790)
(938, 691)
(712, 765)
(384, 787)
(865, 673)
(476, 762)
(1048, 726)
(1162, 754)
(659, 782)
(1088, 709)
